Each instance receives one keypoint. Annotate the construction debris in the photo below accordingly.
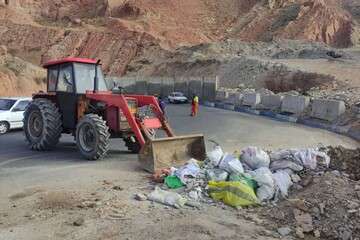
(167, 198)
(346, 160)
(270, 176)
(273, 179)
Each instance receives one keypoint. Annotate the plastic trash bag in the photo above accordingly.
(285, 154)
(216, 175)
(188, 171)
(285, 164)
(265, 181)
(167, 198)
(195, 194)
(255, 157)
(236, 194)
(283, 182)
(244, 178)
(308, 158)
(173, 182)
(215, 156)
(231, 164)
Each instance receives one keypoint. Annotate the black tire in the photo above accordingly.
(42, 124)
(132, 145)
(92, 137)
(4, 127)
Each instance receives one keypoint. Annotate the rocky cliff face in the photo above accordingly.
(124, 31)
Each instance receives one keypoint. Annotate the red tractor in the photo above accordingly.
(78, 102)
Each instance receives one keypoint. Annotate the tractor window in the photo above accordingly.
(65, 82)
(52, 77)
(84, 75)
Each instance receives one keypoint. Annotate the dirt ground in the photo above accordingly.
(57, 195)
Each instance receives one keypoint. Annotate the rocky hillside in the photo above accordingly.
(123, 32)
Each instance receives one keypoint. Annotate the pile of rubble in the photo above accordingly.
(327, 206)
(303, 192)
(345, 160)
(254, 176)
(350, 95)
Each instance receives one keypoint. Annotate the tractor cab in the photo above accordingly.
(75, 76)
(69, 79)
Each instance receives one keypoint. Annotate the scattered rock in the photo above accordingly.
(295, 178)
(79, 222)
(322, 207)
(300, 233)
(119, 188)
(76, 20)
(303, 220)
(265, 232)
(307, 180)
(317, 233)
(353, 205)
(140, 197)
(87, 204)
(299, 204)
(284, 231)
(345, 235)
(106, 182)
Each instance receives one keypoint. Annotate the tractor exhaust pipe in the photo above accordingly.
(96, 78)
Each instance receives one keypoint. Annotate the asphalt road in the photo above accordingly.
(231, 130)
(24, 173)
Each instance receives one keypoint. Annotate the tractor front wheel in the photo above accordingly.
(42, 124)
(92, 137)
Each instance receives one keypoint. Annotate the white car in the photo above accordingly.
(12, 113)
(177, 97)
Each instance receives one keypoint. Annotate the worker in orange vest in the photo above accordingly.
(194, 105)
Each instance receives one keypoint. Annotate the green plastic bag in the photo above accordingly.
(244, 179)
(234, 194)
(173, 182)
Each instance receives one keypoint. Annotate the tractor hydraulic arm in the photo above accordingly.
(120, 102)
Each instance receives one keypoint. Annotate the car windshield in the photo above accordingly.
(6, 104)
(178, 94)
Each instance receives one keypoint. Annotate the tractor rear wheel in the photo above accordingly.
(132, 144)
(92, 137)
(42, 124)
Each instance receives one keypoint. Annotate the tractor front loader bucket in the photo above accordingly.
(161, 153)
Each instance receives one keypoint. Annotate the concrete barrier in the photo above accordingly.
(295, 104)
(222, 95)
(209, 104)
(251, 99)
(229, 106)
(235, 98)
(271, 102)
(328, 110)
